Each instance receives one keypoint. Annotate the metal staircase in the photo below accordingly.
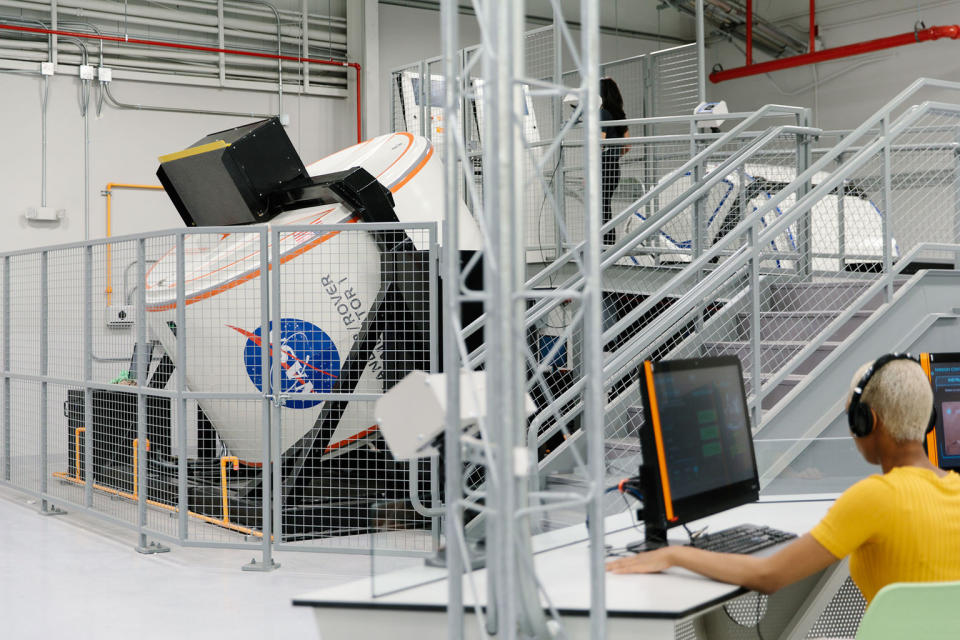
(793, 323)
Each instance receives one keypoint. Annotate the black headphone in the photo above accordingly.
(861, 418)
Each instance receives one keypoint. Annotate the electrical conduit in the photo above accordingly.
(195, 47)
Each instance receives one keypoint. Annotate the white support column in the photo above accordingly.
(371, 69)
(355, 48)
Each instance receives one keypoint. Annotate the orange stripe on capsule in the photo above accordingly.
(658, 438)
(226, 286)
(353, 438)
(412, 173)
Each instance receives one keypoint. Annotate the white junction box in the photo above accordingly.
(104, 74)
(86, 72)
(119, 315)
(47, 214)
(46, 68)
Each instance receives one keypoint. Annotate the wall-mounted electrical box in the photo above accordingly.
(120, 316)
(45, 214)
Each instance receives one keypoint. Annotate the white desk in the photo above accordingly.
(650, 605)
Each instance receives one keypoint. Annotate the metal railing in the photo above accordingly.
(776, 287)
(263, 347)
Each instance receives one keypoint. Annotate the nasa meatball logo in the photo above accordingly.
(308, 360)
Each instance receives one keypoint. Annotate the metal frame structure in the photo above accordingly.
(504, 503)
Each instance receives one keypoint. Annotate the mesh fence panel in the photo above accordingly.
(339, 478)
(672, 79)
(100, 347)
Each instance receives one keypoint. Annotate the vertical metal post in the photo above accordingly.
(887, 205)
(393, 101)
(423, 70)
(140, 470)
(6, 368)
(270, 411)
(305, 43)
(559, 176)
(222, 61)
(45, 507)
(805, 223)
(432, 298)
(183, 502)
(501, 163)
(432, 281)
(87, 376)
(756, 344)
(452, 63)
(141, 477)
(276, 407)
(841, 217)
(701, 56)
(593, 396)
(956, 201)
(697, 231)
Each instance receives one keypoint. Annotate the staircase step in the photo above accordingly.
(820, 296)
(798, 325)
(774, 353)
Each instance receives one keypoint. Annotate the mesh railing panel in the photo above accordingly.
(149, 400)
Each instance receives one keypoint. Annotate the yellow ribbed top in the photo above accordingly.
(903, 526)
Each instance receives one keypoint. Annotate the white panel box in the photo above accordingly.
(120, 316)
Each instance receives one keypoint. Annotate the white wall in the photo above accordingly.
(124, 146)
(850, 89)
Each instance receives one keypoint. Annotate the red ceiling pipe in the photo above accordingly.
(923, 35)
(196, 47)
(749, 32)
(813, 26)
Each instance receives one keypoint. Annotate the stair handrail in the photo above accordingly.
(655, 223)
(769, 110)
(627, 357)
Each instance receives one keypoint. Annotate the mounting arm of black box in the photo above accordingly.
(252, 173)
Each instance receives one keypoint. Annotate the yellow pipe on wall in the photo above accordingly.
(108, 192)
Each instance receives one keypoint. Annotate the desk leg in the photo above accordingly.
(817, 600)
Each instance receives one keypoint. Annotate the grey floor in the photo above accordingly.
(77, 577)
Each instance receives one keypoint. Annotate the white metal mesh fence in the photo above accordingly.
(155, 380)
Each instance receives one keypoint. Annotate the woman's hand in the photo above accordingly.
(646, 562)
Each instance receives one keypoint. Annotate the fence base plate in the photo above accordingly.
(152, 547)
(253, 565)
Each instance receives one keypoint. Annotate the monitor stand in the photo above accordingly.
(654, 538)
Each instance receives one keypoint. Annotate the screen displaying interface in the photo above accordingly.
(706, 431)
(945, 379)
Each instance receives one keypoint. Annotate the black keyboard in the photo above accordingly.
(745, 538)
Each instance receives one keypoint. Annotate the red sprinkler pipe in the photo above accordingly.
(749, 32)
(813, 26)
(196, 47)
(922, 35)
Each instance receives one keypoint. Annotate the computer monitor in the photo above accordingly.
(944, 371)
(696, 443)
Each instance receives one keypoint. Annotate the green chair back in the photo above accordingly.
(913, 611)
